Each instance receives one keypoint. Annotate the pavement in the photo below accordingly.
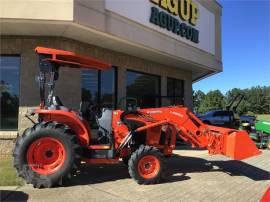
(192, 175)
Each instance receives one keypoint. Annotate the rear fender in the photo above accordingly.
(70, 118)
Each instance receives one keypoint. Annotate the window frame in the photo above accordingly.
(19, 85)
(149, 74)
(174, 87)
(99, 85)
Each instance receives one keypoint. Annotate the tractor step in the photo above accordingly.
(98, 152)
(99, 147)
(101, 161)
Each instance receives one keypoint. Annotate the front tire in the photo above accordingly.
(46, 154)
(146, 165)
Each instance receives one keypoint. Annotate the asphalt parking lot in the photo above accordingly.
(192, 175)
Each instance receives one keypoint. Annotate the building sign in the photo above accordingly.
(186, 10)
(184, 20)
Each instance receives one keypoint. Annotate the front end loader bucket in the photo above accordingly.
(238, 145)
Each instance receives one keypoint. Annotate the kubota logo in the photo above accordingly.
(154, 112)
(176, 114)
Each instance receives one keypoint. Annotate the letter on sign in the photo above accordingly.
(194, 13)
(185, 10)
(173, 6)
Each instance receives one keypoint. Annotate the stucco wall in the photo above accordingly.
(90, 22)
(121, 27)
(37, 9)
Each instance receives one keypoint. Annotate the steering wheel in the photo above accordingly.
(131, 124)
(95, 112)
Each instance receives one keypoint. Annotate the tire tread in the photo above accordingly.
(40, 181)
(134, 159)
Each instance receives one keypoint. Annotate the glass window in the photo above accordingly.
(90, 86)
(98, 87)
(221, 113)
(107, 88)
(175, 91)
(9, 89)
(145, 88)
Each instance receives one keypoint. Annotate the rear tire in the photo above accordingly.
(146, 165)
(47, 154)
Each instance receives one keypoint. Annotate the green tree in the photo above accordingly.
(243, 105)
(256, 100)
(198, 97)
(259, 100)
(212, 100)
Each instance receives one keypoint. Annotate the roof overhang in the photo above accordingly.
(72, 30)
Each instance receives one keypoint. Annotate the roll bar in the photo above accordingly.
(49, 62)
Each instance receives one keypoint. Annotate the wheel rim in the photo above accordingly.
(148, 166)
(46, 155)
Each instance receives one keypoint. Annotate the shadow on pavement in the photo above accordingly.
(177, 169)
(92, 174)
(185, 164)
(7, 195)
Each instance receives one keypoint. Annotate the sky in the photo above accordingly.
(245, 47)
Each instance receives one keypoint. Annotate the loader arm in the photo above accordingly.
(218, 140)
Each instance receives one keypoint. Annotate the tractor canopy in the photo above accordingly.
(49, 62)
(70, 59)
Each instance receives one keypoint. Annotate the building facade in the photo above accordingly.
(158, 48)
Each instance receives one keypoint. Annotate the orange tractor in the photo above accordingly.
(52, 149)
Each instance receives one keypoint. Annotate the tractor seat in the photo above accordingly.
(104, 121)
